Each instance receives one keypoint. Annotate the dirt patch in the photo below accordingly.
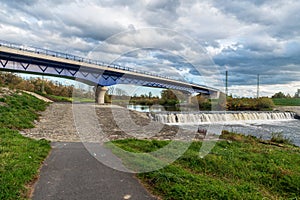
(3, 104)
(6, 92)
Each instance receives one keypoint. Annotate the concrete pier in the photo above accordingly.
(100, 94)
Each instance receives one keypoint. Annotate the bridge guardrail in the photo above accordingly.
(74, 58)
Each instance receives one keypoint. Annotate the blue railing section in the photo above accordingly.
(74, 58)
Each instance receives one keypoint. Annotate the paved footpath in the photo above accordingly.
(71, 172)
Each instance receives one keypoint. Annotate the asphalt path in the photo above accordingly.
(71, 172)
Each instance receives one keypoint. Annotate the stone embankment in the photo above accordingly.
(55, 124)
(58, 123)
(295, 109)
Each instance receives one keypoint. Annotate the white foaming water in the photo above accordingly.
(226, 117)
(259, 124)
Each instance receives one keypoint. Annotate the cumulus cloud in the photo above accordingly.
(244, 37)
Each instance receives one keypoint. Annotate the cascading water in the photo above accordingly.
(194, 118)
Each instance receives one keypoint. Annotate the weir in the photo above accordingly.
(213, 117)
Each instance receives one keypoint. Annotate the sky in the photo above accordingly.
(195, 41)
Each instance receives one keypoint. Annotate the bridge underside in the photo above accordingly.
(91, 76)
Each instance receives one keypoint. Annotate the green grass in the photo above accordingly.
(286, 101)
(20, 157)
(242, 168)
(67, 99)
(20, 111)
(57, 98)
(278, 137)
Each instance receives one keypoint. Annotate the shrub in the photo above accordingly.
(278, 137)
(265, 103)
(260, 104)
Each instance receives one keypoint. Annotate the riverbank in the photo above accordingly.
(20, 157)
(239, 167)
(295, 109)
(286, 101)
(57, 124)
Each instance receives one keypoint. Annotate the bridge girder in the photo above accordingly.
(82, 74)
(83, 70)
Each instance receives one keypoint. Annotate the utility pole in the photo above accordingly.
(226, 84)
(257, 85)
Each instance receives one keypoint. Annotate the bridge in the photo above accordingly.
(23, 59)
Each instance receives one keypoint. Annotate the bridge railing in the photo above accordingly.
(74, 58)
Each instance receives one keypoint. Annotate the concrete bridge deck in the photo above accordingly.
(18, 58)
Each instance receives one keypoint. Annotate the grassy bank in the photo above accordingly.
(66, 99)
(58, 98)
(241, 167)
(20, 157)
(286, 101)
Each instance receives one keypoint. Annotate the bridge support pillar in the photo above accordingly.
(189, 99)
(100, 94)
(215, 95)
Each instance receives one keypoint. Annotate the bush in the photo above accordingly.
(265, 103)
(260, 104)
(278, 137)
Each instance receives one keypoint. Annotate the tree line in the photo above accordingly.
(281, 95)
(41, 86)
(167, 97)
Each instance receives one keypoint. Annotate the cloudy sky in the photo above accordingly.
(192, 40)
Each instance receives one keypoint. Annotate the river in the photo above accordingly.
(259, 124)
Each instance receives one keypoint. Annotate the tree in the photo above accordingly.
(171, 97)
(279, 95)
(288, 96)
(168, 95)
